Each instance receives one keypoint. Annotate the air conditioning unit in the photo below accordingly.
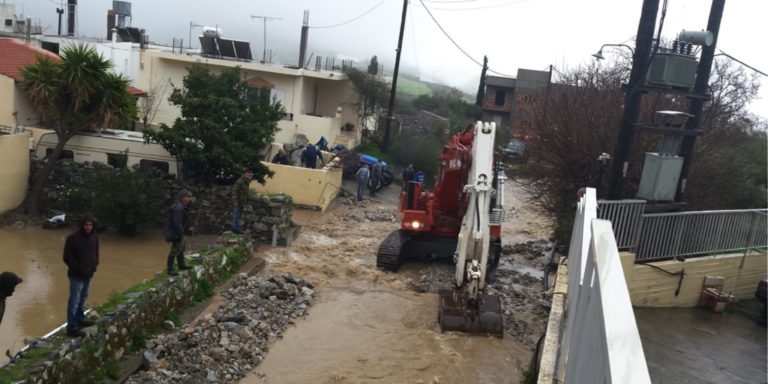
(674, 70)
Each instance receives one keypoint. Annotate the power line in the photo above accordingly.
(352, 19)
(740, 62)
(450, 1)
(455, 43)
(478, 7)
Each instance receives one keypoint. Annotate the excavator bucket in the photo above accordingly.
(483, 318)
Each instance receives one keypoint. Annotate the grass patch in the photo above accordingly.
(411, 87)
(204, 290)
(109, 370)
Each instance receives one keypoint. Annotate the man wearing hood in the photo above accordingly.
(81, 254)
(8, 283)
(176, 225)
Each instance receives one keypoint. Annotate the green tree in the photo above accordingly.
(136, 197)
(75, 94)
(224, 125)
(373, 66)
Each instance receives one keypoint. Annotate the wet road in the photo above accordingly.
(693, 345)
(39, 303)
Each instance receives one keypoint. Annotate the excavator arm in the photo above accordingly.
(466, 307)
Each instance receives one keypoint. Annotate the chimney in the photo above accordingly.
(71, 5)
(111, 24)
(304, 38)
(28, 29)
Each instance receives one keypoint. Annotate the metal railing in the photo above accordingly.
(626, 218)
(668, 235)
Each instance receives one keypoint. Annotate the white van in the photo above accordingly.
(105, 147)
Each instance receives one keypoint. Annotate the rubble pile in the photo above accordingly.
(378, 214)
(225, 346)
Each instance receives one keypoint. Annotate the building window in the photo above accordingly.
(64, 155)
(8, 23)
(117, 160)
(501, 95)
(159, 165)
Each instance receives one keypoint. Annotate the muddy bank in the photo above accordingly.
(39, 303)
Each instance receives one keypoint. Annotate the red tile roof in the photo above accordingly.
(137, 92)
(15, 55)
(260, 82)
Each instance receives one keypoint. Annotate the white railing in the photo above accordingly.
(626, 217)
(600, 342)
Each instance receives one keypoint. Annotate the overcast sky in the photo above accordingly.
(514, 34)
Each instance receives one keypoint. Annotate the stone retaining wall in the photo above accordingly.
(211, 210)
(63, 360)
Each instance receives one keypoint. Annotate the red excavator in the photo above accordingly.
(460, 220)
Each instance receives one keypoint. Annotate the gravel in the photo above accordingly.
(226, 345)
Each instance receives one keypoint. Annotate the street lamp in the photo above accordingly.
(599, 54)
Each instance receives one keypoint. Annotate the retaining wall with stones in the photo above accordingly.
(63, 360)
(211, 209)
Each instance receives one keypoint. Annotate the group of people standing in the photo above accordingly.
(306, 157)
(371, 177)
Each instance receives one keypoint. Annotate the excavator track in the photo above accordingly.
(389, 256)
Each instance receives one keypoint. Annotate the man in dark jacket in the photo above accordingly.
(81, 254)
(240, 193)
(176, 225)
(310, 155)
(8, 283)
(280, 157)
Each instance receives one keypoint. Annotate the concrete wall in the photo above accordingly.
(650, 287)
(309, 187)
(14, 170)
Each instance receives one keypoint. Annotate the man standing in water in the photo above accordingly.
(8, 283)
(81, 254)
(176, 225)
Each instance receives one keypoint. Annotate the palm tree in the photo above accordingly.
(75, 94)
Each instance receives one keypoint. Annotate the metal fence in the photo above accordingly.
(626, 217)
(667, 235)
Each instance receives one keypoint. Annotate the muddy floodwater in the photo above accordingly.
(385, 336)
(39, 303)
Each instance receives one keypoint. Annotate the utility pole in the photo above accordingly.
(633, 98)
(60, 11)
(385, 141)
(699, 89)
(265, 19)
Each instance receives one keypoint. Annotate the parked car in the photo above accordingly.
(515, 149)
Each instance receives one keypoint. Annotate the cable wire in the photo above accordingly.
(740, 62)
(455, 43)
(350, 20)
(479, 7)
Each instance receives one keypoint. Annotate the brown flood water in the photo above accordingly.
(39, 303)
(384, 336)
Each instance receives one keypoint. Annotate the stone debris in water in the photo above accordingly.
(519, 282)
(228, 344)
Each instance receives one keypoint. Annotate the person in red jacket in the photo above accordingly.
(81, 254)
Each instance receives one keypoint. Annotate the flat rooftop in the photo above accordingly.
(694, 345)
